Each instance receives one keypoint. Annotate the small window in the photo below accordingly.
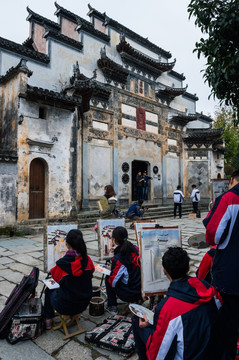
(42, 112)
(141, 87)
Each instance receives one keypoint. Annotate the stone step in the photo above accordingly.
(89, 219)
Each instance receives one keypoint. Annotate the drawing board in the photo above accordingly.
(54, 243)
(105, 229)
(154, 242)
(138, 226)
(219, 186)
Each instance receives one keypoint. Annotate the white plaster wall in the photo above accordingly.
(129, 123)
(172, 142)
(197, 124)
(99, 125)
(128, 110)
(172, 174)
(151, 117)
(152, 129)
(99, 169)
(8, 194)
(58, 126)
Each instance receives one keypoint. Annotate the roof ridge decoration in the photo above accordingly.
(177, 75)
(62, 38)
(136, 59)
(130, 33)
(14, 70)
(88, 88)
(191, 96)
(42, 20)
(111, 70)
(201, 137)
(29, 43)
(81, 23)
(168, 93)
(77, 76)
(50, 96)
(23, 50)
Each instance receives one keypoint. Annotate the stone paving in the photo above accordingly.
(17, 257)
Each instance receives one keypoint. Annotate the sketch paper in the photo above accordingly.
(51, 284)
(55, 243)
(105, 229)
(219, 186)
(153, 244)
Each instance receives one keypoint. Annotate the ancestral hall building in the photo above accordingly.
(89, 103)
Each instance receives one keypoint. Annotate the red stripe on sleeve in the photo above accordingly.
(171, 309)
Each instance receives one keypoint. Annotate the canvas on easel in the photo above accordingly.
(54, 243)
(139, 225)
(105, 229)
(154, 242)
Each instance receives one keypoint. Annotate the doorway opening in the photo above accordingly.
(37, 189)
(137, 165)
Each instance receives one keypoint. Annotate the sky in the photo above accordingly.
(163, 22)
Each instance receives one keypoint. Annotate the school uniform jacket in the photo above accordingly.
(183, 321)
(74, 275)
(204, 270)
(222, 229)
(124, 273)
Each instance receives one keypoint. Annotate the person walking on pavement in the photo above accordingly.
(178, 199)
(222, 229)
(146, 185)
(195, 196)
(139, 186)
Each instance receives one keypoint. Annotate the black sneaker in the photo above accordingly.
(113, 310)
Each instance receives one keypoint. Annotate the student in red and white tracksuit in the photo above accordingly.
(124, 281)
(222, 229)
(183, 320)
(205, 267)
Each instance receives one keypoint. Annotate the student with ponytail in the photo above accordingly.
(73, 272)
(124, 281)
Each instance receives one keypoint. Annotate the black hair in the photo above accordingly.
(178, 187)
(176, 262)
(235, 175)
(75, 239)
(140, 202)
(193, 186)
(109, 191)
(120, 234)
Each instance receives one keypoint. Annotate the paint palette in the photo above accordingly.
(140, 311)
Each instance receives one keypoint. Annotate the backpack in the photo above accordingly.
(118, 213)
(197, 195)
(18, 296)
(28, 322)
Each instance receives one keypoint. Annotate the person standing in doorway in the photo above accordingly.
(195, 196)
(178, 199)
(146, 185)
(139, 186)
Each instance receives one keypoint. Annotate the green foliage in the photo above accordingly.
(225, 118)
(219, 21)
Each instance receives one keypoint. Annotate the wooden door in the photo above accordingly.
(37, 190)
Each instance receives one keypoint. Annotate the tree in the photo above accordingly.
(219, 20)
(224, 118)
